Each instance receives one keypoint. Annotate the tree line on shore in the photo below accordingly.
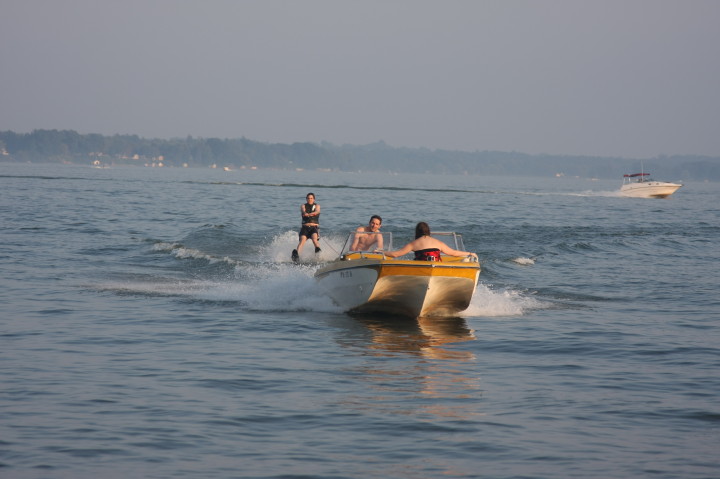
(67, 146)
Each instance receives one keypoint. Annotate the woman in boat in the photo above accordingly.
(426, 247)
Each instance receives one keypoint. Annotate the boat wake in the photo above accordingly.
(270, 281)
(523, 261)
(263, 278)
(278, 249)
(287, 288)
(279, 288)
(488, 303)
(183, 252)
(591, 193)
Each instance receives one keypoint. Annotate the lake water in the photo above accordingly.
(153, 326)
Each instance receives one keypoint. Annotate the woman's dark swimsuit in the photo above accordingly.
(431, 254)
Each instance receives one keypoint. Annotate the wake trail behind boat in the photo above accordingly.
(489, 303)
(264, 278)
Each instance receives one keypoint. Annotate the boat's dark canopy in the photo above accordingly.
(636, 174)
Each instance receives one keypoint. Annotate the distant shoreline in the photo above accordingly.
(70, 147)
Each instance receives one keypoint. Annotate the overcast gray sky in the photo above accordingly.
(630, 78)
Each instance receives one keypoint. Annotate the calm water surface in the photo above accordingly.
(152, 326)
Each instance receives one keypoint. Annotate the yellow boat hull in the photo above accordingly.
(372, 283)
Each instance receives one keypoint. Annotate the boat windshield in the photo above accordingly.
(636, 178)
(453, 240)
(360, 241)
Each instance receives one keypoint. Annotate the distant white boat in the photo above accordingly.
(637, 185)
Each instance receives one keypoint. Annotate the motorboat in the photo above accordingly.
(639, 185)
(371, 282)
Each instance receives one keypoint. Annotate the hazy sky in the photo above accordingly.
(631, 78)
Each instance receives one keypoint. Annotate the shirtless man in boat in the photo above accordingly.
(367, 236)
